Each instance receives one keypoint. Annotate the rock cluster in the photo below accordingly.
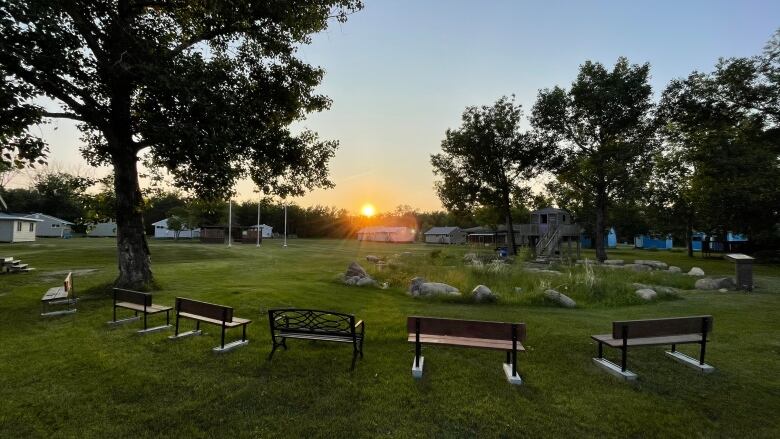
(356, 275)
(715, 283)
(419, 287)
(646, 293)
(696, 271)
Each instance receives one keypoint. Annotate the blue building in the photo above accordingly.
(732, 240)
(648, 242)
(610, 241)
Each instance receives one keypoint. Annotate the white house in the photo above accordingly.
(161, 231)
(103, 230)
(445, 235)
(266, 230)
(17, 228)
(51, 226)
(386, 234)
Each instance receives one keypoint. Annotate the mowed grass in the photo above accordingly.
(73, 376)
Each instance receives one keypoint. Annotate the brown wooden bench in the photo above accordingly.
(467, 333)
(310, 324)
(654, 332)
(139, 302)
(219, 315)
(64, 295)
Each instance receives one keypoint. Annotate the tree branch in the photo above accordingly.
(64, 115)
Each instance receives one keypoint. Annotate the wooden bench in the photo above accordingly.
(467, 333)
(219, 315)
(137, 301)
(310, 324)
(64, 295)
(653, 332)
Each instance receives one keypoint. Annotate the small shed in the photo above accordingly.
(17, 228)
(610, 240)
(550, 217)
(161, 231)
(103, 230)
(266, 230)
(649, 242)
(51, 226)
(386, 234)
(445, 235)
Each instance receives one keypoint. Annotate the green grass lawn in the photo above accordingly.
(73, 376)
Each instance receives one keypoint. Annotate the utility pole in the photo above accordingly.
(285, 224)
(259, 229)
(230, 223)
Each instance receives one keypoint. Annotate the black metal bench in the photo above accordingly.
(654, 332)
(309, 324)
(138, 301)
(64, 295)
(467, 333)
(219, 315)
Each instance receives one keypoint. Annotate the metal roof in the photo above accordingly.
(17, 216)
(441, 230)
(382, 229)
(54, 218)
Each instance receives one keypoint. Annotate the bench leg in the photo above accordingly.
(623, 358)
(145, 325)
(273, 349)
(601, 350)
(354, 358)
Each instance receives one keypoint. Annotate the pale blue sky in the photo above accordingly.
(401, 72)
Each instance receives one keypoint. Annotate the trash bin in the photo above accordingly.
(502, 252)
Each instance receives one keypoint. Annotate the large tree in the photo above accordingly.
(603, 130)
(723, 131)
(208, 88)
(486, 161)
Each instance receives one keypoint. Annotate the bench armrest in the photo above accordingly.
(362, 325)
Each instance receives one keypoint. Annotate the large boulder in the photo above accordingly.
(646, 293)
(696, 271)
(419, 287)
(355, 269)
(372, 258)
(481, 293)
(614, 262)
(559, 298)
(709, 283)
(674, 269)
(658, 265)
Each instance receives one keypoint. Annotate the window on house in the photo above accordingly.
(55, 226)
(32, 227)
(544, 219)
(18, 226)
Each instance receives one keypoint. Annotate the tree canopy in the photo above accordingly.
(486, 161)
(208, 89)
(603, 131)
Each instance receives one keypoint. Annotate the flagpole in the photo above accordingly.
(230, 223)
(259, 229)
(285, 224)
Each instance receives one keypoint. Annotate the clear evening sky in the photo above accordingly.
(400, 72)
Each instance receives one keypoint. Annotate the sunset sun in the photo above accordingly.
(368, 210)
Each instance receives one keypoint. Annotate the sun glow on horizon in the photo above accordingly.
(368, 210)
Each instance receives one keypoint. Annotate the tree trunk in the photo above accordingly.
(509, 229)
(689, 236)
(132, 250)
(601, 219)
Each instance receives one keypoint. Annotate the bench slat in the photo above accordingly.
(346, 339)
(466, 341)
(54, 293)
(609, 340)
(235, 322)
(661, 327)
(465, 328)
(153, 309)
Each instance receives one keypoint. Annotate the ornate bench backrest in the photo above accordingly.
(310, 321)
(136, 297)
(662, 327)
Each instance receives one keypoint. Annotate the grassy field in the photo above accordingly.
(73, 376)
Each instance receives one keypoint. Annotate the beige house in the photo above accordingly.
(17, 228)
